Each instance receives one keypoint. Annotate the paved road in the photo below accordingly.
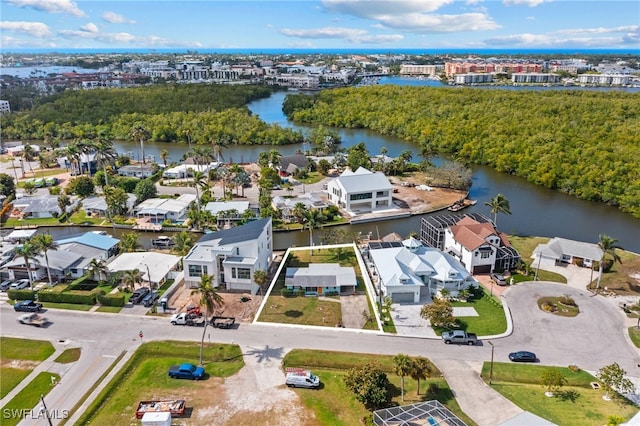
(593, 339)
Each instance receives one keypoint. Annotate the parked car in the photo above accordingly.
(186, 371)
(523, 356)
(5, 285)
(27, 306)
(459, 336)
(498, 279)
(20, 284)
(139, 294)
(150, 299)
(300, 378)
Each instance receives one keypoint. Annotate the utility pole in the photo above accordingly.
(46, 412)
(491, 367)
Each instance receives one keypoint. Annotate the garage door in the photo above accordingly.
(482, 269)
(402, 297)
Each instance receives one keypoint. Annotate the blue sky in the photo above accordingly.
(325, 24)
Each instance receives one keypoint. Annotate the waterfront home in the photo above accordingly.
(93, 245)
(139, 171)
(290, 164)
(563, 251)
(480, 247)
(184, 171)
(231, 256)
(160, 209)
(155, 268)
(321, 278)
(361, 191)
(41, 207)
(409, 272)
(97, 205)
(227, 213)
(286, 205)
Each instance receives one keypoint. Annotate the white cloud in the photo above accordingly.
(50, 6)
(127, 39)
(90, 27)
(12, 42)
(601, 30)
(35, 29)
(374, 9)
(115, 18)
(530, 3)
(351, 34)
(562, 40)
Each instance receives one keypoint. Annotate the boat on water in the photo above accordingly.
(462, 204)
(162, 241)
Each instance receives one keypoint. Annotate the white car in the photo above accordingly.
(20, 284)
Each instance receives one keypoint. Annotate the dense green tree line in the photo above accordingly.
(583, 143)
(185, 113)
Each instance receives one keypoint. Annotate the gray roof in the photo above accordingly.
(363, 180)
(40, 204)
(298, 160)
(556, 247)
(58, 260)
(215, 207)
(248, 231)
(321, 274)
(99, 203)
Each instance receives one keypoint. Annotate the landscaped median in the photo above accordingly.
(575, 403)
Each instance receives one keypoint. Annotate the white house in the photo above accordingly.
(42, 207)
(161, 209)
(231, 256)
(155, 268)
(184, 171)
(362, 191)
(561, 250)
(140, 171)
(409, 272)
(227, 213)
(311, 200)
(480, 247)
(97, 205)
(321, 278)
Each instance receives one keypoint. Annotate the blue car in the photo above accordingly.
(27, 306)
(523, 356)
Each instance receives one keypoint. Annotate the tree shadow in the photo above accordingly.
(293, 313)
(567, 395)
(266, 353)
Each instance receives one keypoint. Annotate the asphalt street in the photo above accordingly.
(593, 339)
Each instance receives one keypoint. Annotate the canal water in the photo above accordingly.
(535, 210)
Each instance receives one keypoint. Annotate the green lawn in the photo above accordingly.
(69, 355)
(301, 310)
(69, 306)
(23, 349)
(110, 309)
(10, 377)
(577, 404)
(634, 334)
(28, 397)
(490, 320)
(145, 377)
(334, 404)
(312, 177)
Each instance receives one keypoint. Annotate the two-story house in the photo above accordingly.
(231, 256)
(362, 191)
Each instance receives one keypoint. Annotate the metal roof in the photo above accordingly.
(91, 239)
(249, 231)
(422, 413)
(363, 180)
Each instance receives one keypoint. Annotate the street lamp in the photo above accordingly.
(491, 365)
(148, 276)
(46, 412)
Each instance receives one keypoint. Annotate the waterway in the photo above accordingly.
(535, 210)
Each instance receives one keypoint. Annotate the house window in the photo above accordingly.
(197, 270)
(365, 196)
(241, 273)
(485, 255)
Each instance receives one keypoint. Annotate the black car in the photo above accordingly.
(150, 299)
(138, 295)
(498, 279)
(523, 356)
(27, 306)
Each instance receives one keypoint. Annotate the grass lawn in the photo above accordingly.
(28, 397)
(10, 377)
(12, 222)
(334, 404)
(23, 349)
(555, 306)
(576, 404)
(634, 334)
(490, 320)
(81, 217)
(312, 177)
(69, 355)
(69, 306)
(145, 377)
(301, 310)
(110, 309)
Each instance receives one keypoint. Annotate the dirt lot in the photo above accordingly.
(421, 201)
(233, 305)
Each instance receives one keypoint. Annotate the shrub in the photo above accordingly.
(111, 300)
(21, 294)
(73, 298)
(287, 292)
(566, 300)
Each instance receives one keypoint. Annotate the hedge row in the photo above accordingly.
(78, 299)
(111, 300)
(21, 294)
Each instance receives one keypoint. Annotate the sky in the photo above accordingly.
(324, 24)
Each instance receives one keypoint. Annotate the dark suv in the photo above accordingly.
(150, 299)
(138, 295)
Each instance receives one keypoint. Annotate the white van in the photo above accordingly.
(299, 378)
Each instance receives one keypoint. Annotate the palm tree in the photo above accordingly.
(131, 278)
(312, 220)
(28, 251)
(44, 243)
(260, 277)
(129, 242)
(183, 243)
(274, 158)
(608, 246)
(242, 178)
(28, 154)
(420, 369)
(211, 300)
(72, 153)
(164, 155)
(64, 201)
(98, 267)
(402, 367)
(217, 145)
(141, 134)
(200, 181)
(498, 204)
(105, 155)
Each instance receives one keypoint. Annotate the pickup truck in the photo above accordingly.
(33, 319)
(222, 322)
(186, 371)
(187, 319)
(459, 336)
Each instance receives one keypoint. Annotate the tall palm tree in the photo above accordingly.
(44, 243)
(608, 246)
(129, 242)
(64, 201)
(164, 155)
(211, 300)
(131, 278)
(105, 155)
(28, 251)
(402, 367)
(72, 152)
(183, 243)
(260, 277)
(313, 218)
(28, 155)
(217, 145)
(200, 182)
(139, 133)
(498, 204)
(420, 369)
(98, 268)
